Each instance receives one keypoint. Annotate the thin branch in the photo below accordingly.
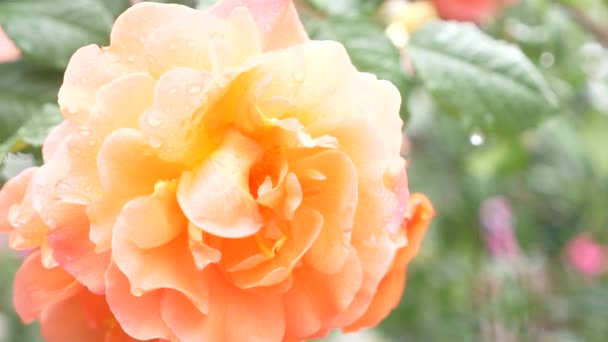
(599, 32)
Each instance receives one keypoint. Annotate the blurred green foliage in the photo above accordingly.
(516, 109)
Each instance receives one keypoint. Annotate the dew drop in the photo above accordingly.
(92, 142)
(85, 132)
(131, 58)
(153, 121)
(194, 89)
(476, 138)
(50, 223)
(298, 75)
(64, 185)
(216, 35)
(155, 141)
(137, 292)
(547, 59)
(72, 108)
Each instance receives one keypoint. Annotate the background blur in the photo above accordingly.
(511, 148)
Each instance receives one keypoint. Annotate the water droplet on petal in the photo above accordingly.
(92, 142)
(298, 75)
(194, 89)
(72, 108)
(131, 58)
(64, 185)
(153, 121)
(137, 292)
(155, 141)
(50, 223)
(216, 35)
(84, 132)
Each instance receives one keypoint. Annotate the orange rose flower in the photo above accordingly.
(218, 177)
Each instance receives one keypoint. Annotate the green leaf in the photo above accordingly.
(49, 32)
(28, 96)
(346, 8)
(203, 4)
(115, 7)
(369, 49)
(189, 3)
(489, 84)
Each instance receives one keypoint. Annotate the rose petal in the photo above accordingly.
(139, 316)
(277, 20)
(76, 254)
(37, 287)
(216, 196)
(336, 199)
(12, 193)
(315, 298)
(303, 230)
(260, 318)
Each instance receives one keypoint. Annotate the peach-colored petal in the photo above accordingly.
(83, 317)
(133, 28)
(388, 295)
(29, 230)
(216, 197)
(202, 253)
(88, 70)
(73, 250)
(294, 81)
(376, 257)
(129, 95)
(303, 230)
(277, 20)
(56, 137)
(37, 287)
(260, 318)
(139, 316)
(315, 298)
(203, 42)
(13, 193)
(390, 289)
(336, 199)
(283, 199)
(168, 266)
(68, 181)
(154, 220)
(179, 124)
(128, 166)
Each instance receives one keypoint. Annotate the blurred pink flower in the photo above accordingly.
(8, 50)
(470, 10)
(587, 256)
(496, 218)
